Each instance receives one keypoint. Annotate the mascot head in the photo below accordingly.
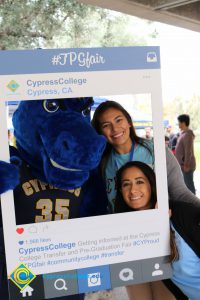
(55, 138)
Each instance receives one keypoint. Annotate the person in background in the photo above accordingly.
(169, 131)
(184, 151)
(11, 138)
(136, 191)
(148, 133)
(172, 138)
(166, 140)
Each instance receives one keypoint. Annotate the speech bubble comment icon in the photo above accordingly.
(32, 229)
(126, 274)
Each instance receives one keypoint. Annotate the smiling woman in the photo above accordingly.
(116, 128)
(136, 190)
(136, 187)
(123, 144)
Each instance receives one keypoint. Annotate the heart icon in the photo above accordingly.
(21, 242)
(20, 230)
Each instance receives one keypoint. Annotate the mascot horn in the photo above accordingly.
(57, 156)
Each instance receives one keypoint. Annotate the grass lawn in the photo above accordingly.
(197, 154)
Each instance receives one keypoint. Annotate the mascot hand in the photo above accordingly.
(9, 176)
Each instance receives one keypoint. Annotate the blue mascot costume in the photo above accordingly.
(57, 156)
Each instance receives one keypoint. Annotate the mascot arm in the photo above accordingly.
(9, 172)
(9, 176)
(95, 200)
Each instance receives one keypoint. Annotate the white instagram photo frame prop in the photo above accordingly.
(104, 71)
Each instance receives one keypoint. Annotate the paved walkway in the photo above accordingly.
(115, 294)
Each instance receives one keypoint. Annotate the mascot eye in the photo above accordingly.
(51, 105)
(86, 111)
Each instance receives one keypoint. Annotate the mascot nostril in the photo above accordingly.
(65, 145)
(58, 172)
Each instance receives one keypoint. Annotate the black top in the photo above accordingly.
(36, 201)
(186, 220)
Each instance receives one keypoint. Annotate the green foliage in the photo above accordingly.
(55, 23)
(31, 23)
(186, 106)
(183, 106)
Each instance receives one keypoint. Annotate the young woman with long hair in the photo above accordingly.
(136, 190)
(123, 144)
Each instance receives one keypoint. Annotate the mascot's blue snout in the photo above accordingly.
(55, 138)
(76, 146)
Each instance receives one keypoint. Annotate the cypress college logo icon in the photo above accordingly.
(13, 86)
(22, 276)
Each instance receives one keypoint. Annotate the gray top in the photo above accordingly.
(185, 150)
(176, 186)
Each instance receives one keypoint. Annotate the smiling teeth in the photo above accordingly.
(117, 135)
(135, 198)
(56, 165)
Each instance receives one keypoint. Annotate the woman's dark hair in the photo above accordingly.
(103, 107)
(120, 204)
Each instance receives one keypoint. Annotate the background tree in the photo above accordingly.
(55, 23)
(181, 105)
